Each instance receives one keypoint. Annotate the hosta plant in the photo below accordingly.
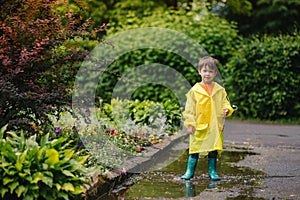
(47, 169)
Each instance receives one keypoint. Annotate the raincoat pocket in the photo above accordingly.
(201, 127)
(201, 132)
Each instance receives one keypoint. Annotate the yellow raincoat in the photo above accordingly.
(205, 113)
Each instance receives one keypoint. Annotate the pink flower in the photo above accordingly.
(57, 129)
(123, 172)
(139, 148)
(111, 132)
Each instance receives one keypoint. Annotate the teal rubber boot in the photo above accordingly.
(192, 162)
(212, 167)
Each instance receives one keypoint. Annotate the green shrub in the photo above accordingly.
(218, 38)
(44, 170)
(263, 78)
(215, 34)
(166, 115)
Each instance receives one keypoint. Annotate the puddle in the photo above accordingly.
(165, 182)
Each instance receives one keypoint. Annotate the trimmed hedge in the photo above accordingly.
(263, 78)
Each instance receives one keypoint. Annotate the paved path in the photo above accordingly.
(278, 148)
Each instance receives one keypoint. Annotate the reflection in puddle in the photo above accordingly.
(166, 181)
(190, 189)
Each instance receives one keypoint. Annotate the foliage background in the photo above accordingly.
(41, 67)
(206, 29)
(268, 61)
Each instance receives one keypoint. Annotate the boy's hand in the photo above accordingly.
(225, 112)
(191, 130)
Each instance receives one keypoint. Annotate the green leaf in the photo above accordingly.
(78, 190)
(37, 177)
(32, 154)
(67, 173)
(13, 186)
(48, 173)
(3, 191)
(58, 186)
(2, 131)
(14, 136)
(33, 187)
(20, 160)
(7, 180)
(4, 163)
(82, 159)
(63, 195)
(45, 166)
(11, 171)
(28, 178)
(23, 174)
(57, 143)
(53, 157)
(68, 154)
(44, 140)
(40, 153)
(68, 187)
(18, 166)
(29, 197)
(48, 181)
(11, 156)
(21, 189)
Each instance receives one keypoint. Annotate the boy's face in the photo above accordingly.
(207, 74)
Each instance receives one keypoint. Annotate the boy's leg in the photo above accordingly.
(191, 165)
(212, 166)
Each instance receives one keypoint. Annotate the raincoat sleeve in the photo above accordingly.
(226, 104)
(190, 110)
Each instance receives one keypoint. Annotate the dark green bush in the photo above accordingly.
(263, 78)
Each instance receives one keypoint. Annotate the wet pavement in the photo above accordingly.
(260, 161)
(278, 155)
